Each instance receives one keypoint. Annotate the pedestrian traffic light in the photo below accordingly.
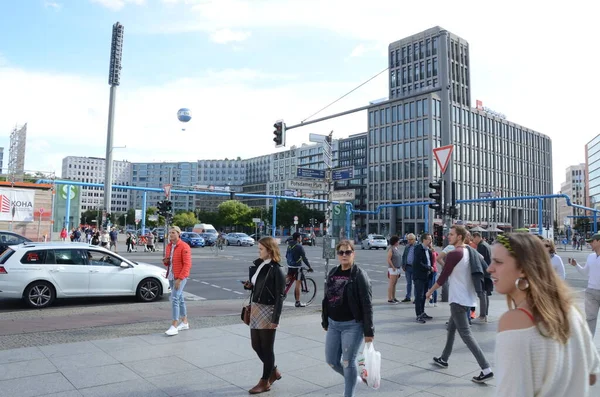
(168, 206)
(437, 195)
(231, 195)
(279, 133)
(454, 212)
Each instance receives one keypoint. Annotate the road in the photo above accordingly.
(214, 296)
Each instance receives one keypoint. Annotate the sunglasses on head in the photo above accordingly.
(346, 252)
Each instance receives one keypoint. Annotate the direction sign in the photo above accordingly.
(256, 220)
(343, 195)
(306, 185)
(487, 194)
(310, 173)
(442, 155)
(41, 211)
(339, 174)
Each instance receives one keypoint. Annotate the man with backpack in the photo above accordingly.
(295, 255)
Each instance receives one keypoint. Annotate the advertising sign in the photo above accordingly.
(16, 204)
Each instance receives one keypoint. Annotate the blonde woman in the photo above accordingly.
(543, 345)
(555, 260)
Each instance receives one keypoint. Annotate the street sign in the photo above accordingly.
(41, 211)
(442, 155)
(306, 185)
(487, 194)
(295, 218)
(329, 244)
(290, 193)
(343, 195)
(340, 174)
(310, 173)
(256, 220)
(167, 189)
(138, 216)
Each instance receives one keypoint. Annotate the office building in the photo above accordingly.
(352, 152)
(574, 187)
(258, 171)
(92, 170)
(431, 108)
(1, 160)
(592, 174)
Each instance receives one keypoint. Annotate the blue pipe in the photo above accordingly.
(540, 217)
(68, 210)
(426, 217)
(348, 220)
(274, 220)
(144, 213)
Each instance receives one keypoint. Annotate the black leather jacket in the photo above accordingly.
(358, 291)
(270, 286)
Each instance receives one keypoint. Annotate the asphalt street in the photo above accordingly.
(214, 296)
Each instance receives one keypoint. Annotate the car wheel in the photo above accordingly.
(226, 242)
(362, 246)
(39, 294)
(149, 290)
(239, 243)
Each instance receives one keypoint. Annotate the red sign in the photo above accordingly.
(41, 211)
(442, 155)
(478, 104)
(167, 189)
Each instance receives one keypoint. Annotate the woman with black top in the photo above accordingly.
(347, 315)
(267, 283)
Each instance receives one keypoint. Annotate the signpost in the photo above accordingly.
(300, 184)
(442, 156)
(40, 223)
(256, 222)
(310, 173)
(344, 195)
(167, 189)
(340, 174)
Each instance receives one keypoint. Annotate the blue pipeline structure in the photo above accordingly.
(349, 207)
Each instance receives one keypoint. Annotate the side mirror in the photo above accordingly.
(124, 265)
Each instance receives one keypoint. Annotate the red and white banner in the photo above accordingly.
(16, 204)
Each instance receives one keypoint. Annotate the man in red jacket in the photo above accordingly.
(178, 259)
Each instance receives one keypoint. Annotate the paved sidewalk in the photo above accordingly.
(219, 361)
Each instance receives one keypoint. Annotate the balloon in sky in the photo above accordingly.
(184, 115)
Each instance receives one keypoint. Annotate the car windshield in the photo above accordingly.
(193, 235)
(378, 237)
(242, 235)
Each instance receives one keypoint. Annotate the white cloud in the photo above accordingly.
(52, 4)
(116, 5)
(224, 36)
(358, 51)
(3, 60)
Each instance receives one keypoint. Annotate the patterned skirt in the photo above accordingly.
(261, 315)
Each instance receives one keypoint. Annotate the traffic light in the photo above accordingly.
(279, 133)
(437, 195)
(168, 206)
(454, 212)
(493, 204)
(231, 195)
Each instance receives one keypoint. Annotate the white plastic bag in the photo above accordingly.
(369, 366)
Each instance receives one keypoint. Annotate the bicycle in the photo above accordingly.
(217, 247)
(308, 286)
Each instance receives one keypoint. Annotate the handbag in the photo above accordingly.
(245, 314)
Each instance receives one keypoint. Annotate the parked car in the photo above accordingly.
(159, 232)
(306, 239)
(9, 238)
(39, 273)
(192, 239)
(374, 241)
(209, 238)
(239, 239)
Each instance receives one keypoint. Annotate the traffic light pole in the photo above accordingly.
(329, 216)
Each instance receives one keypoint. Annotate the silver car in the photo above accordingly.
(374, 241)
(239, 239)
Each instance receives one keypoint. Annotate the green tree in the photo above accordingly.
(185, 220)
(127, 218)
(233, 212)
(209, 217)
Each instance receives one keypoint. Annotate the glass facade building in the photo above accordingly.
(592, 163)
(352, 152)
(491, 154)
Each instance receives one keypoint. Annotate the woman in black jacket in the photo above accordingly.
(347, 315)
(267, 283)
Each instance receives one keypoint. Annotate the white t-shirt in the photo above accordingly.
(458, 274)
(591, 270)
(529, 364)
(558, 265)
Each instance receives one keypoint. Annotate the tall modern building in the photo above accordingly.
(592, 174)
(574, 187)
(91, 170)
(258, 170)
(352, 152)
(429, 107)
(16, 153)
(1, 160)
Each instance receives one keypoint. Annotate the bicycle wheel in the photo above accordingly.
(309, 290)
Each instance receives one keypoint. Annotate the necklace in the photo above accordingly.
(519, 304)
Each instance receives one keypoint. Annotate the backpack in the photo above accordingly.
(289, 256)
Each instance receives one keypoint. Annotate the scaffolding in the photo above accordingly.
(16, 157)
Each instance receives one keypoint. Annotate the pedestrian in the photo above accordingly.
(63, 234)
(433, 276)
(485, 250)
(422, 267)
(555, 260)
(104, 239)
(394, 261)
(543, 347)
(178, 260)
(267, 282)
(150, 242)
(347, 315)
(129, 242)
(461, 296)
(113, 239)
(592, 271)
(408, 258)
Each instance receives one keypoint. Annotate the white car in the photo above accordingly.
(239, 239)
(374, 241)
(39, 273)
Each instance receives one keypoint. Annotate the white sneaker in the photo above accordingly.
(183, 326)
(172, 331)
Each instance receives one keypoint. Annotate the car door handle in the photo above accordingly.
(54, 270)
(94, 271)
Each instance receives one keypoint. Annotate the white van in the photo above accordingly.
(204, 228)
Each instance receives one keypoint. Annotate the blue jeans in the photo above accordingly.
(177, 301)
(432, 281)
(408, 273)
(341, 347)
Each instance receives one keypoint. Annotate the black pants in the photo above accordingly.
(263, 341)
(420, 292)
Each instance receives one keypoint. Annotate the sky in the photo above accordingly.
(240, 65)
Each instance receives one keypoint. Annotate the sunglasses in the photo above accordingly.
(347, 252)
(547, 246)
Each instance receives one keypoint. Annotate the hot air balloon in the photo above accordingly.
(184, 115)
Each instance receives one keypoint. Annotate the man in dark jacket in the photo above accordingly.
(421, 268)
(488, 286)
(295, 255)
